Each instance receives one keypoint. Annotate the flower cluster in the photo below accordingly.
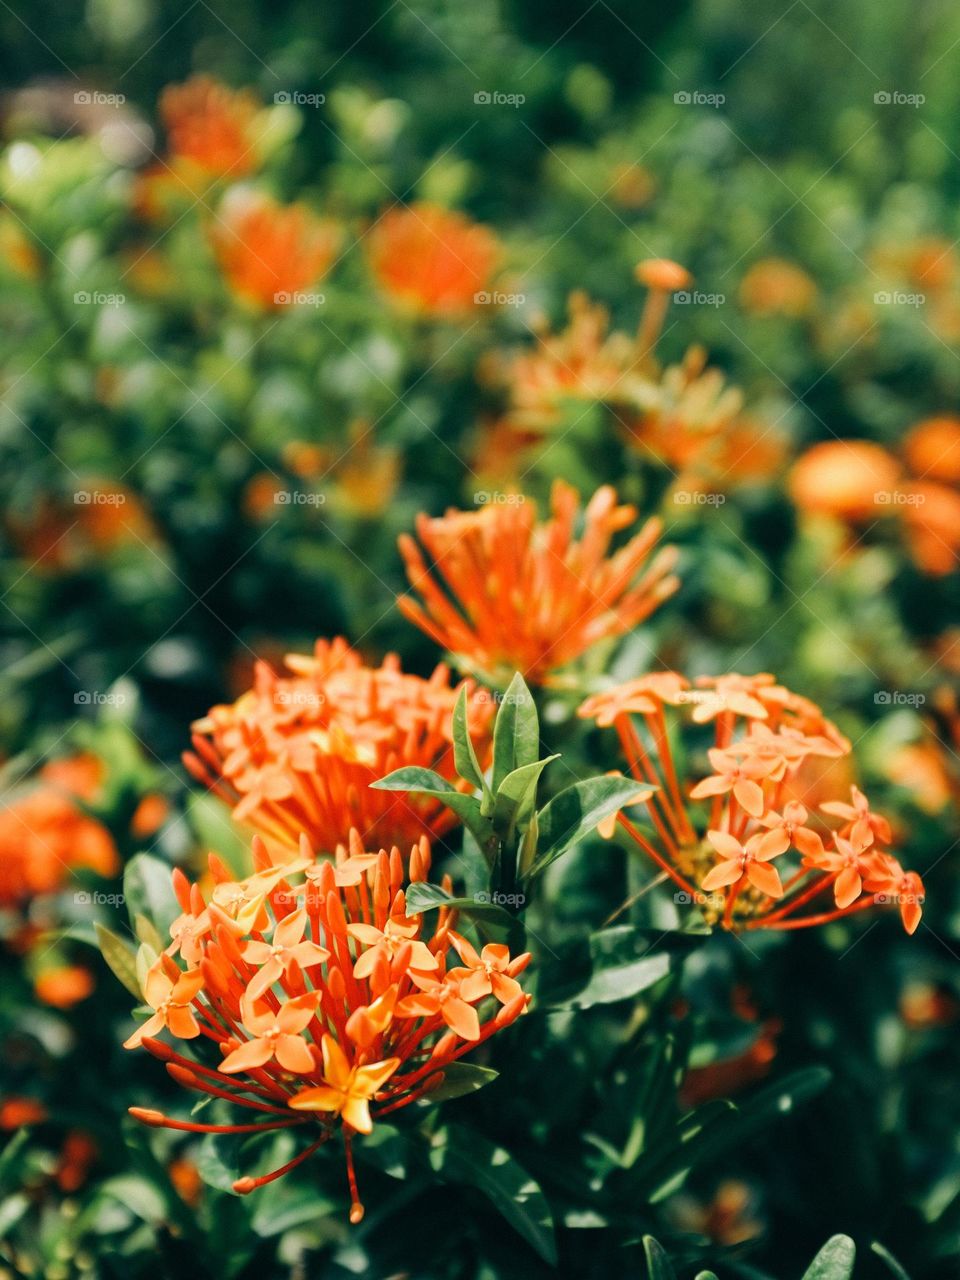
(322, 1003)
(45, 835)
(533, 597)
(684, 417)
(747, 849)
(296, 754)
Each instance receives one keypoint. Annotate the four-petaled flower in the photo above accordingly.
(738, 860)
(169, 993)
(277, 1035)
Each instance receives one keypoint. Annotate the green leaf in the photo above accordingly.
(460, 1078)
(11, 1153)
(426, 782)
(148, 889)
(891, 1262)
(658, 1264)
(427, 897)
(464, 755)
(517, 794)
(834, 1261)
(574, 813)
(516, 733)
(623, 965)
(120, 957)
(462, 1155)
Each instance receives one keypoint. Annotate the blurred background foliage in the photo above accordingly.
(803, 162)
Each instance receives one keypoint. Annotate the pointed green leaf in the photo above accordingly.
(460, 1078)
(623, 964)
(120, 958)
(576, 812)
(427, 897)
(658, 1264)
(517, 794)
(834, 1261)
(426, 782)
(891, 1262)
(464, 754)
(516, 733)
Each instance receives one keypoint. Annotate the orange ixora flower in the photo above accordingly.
(733, 842)
(45, 835)
(430, 260)
(850, 479)
(529, 596)
(271, 253)
(314, 1000)
(684, 417)
(297, 753)
(211, 126)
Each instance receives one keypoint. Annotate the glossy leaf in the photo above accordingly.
(516, 733)
(834, 1261)
(576, 812)
(120, 958)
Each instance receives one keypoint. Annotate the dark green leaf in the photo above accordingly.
(463, 1155)
(574, 813)
(658, 1264)
(891, 1262)
(460, 1078)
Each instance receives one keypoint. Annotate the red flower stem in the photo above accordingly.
(159, 1121)
(809, 921)
(243, 1186)
(658, 858)
(189, 1080)
(801, 899)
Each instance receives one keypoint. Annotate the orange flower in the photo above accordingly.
(269, 253)
(775, 286)
(211, 126)
(719, 855)
(531, 596)
(44, 835)
(932, 449)
(298, 753)
(430, 260)
(932, 526)
(17, 1113)
(364, 1023)
(63, 986)
(843, 478)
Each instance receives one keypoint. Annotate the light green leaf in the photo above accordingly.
(464, 754)
(517, 794)
(891, 1262)
(834, 1261)
(120, 958)
(516, 733)
(148, 889)
(576, 812)
(623, 966)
